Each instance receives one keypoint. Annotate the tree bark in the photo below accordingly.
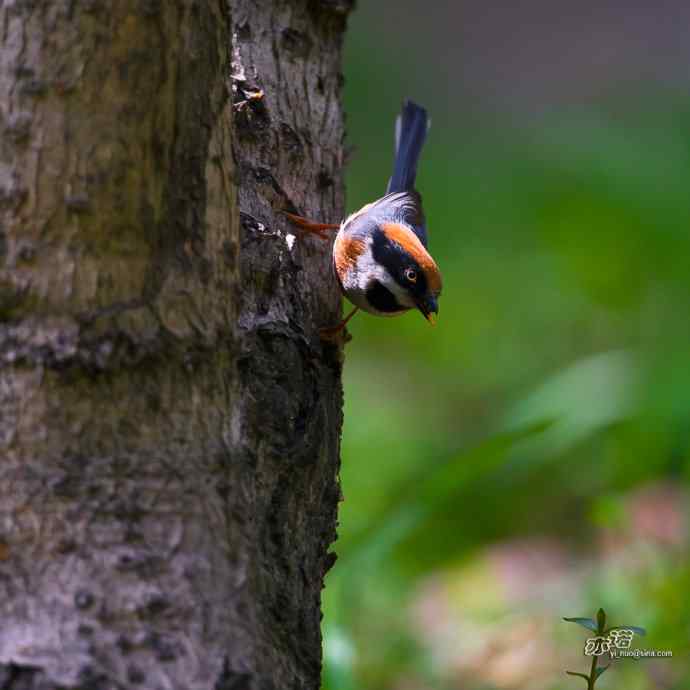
(169, 419)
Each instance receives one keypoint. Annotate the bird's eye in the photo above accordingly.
(411, 275)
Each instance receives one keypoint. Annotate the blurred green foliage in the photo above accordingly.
(550, 406)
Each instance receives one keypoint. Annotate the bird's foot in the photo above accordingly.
(337, 335)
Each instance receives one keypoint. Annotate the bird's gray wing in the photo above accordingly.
(402, 207)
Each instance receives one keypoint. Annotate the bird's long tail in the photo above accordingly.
(411, 127)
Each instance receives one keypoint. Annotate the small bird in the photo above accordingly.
(380, 252)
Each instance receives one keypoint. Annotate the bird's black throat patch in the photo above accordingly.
(382, 299)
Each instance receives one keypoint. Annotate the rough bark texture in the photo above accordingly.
(169, 420)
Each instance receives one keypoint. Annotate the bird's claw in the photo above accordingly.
(335, 335)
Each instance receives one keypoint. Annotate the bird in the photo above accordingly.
(380, 254)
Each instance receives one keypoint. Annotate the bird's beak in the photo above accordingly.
(429, 308)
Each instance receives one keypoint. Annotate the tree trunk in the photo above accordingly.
(169, 419)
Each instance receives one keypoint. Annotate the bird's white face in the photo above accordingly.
(368, 271)
(359, 272)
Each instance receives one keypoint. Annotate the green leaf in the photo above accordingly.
(580, 400)
(584, 622)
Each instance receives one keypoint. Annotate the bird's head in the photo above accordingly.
(410, 274)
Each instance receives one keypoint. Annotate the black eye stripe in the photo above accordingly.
(396, 261)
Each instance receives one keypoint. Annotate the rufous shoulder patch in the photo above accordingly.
(405, 237)
(346, 251)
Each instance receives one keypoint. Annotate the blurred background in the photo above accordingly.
(528, 458)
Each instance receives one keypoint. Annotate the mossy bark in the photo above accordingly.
(169, 419)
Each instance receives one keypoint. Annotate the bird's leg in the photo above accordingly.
(319, 229)
(332, 334)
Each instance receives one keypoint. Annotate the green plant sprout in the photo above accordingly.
(601, 644)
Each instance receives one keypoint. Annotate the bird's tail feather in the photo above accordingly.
(411, 127)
